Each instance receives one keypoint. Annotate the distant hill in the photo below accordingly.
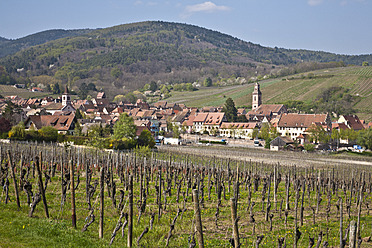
(9, 47)
(126, 57)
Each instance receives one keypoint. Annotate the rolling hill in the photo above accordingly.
(355, 80)
(126, 57)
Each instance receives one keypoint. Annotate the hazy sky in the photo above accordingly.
(338, 26)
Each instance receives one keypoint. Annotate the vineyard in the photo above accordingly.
(75, 197)
(9, 90)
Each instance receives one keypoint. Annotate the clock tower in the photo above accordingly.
(256, 96)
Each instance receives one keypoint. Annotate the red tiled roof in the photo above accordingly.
(201, 117)
(266, 109)
(353, 122)
(242, 125)
(301, 120)
(61, 123)
(214, 119)
(336, 125)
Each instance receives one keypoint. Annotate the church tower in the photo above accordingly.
(256, 96)
(66, 99)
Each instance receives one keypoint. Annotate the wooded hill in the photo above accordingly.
(126, 57)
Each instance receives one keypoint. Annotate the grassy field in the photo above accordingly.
(357, 79)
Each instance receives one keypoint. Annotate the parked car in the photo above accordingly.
(257, 143)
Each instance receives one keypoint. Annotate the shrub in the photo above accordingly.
(48, 133)
(309, 147)
(17, 132)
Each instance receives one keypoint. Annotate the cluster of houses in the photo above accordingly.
(60, 114)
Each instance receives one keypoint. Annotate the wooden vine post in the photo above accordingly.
(198, 222)
(41, 186)
(234, 220)
(342, 243)
(130, 219)
(73, 209)
(102, 202)
(14, 180)
(352, 235)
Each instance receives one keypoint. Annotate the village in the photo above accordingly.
(177, 124)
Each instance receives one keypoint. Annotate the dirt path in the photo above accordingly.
(265, 156)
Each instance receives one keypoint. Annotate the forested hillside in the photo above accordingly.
(126, 57)
(8, 46)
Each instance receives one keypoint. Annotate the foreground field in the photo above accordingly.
(273, 202)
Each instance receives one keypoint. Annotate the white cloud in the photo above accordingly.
(207, 7)
(314, 2)
(139, 2)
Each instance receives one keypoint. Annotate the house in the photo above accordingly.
(266, 112)
(294, 125)
(101, 95)
(64, 124)
(213, 122)
(140, 129)
(352, 121)
(242, 130)
(198, 122)
(36, 89)
(280, 142)
(38, 111)
(209, 122)
(160, 105)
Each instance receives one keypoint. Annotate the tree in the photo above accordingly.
(309, 147)
(119, 98)
(318, 134)
(10, 112)
(5, 125)
(365, 63)
(164, 90)
(130, 97)
(208, 82)
(96, 131)
(124, 128)
(365, 138)
(56, 88)
(78, 114)
(48, 133)
(116, 72)
(241, 118)
(146, 139)
(153, 86)
(17, 132)
(78, 130)
(230, 111)
(83, 91)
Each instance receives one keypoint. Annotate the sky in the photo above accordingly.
(337, 26)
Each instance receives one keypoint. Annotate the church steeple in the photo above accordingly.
(66, 99)
(256, 96)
